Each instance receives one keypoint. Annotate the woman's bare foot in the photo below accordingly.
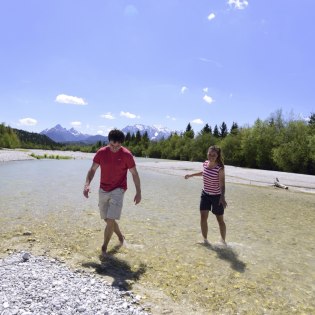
(206, 241)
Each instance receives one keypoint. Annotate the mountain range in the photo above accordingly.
(63, 135)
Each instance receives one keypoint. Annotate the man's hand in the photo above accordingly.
(137, 198)
(86, 191)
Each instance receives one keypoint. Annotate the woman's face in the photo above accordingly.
(212, 155)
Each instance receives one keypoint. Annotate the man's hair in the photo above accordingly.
(116, 136)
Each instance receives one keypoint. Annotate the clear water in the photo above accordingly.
(267, 268)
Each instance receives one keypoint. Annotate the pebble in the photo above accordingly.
(57, 289)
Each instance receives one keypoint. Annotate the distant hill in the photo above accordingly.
(35, 138)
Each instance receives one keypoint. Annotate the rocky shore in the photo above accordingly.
(41, 285)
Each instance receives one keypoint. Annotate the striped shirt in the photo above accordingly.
(211, 184)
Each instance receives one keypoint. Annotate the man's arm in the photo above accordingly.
(136, 180)
(89, 178)
(222, 187)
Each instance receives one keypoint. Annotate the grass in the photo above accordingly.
(51, 156)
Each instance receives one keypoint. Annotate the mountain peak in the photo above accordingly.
(154, 132)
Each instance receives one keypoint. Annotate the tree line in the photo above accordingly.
(272, 144)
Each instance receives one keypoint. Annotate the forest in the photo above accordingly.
(272, 144)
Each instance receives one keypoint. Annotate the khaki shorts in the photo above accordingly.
(110, 203)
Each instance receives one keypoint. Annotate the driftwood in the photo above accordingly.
(277, 184)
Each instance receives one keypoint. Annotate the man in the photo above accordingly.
(114, 160)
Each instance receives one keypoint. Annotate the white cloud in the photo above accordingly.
(28, 121)
(211, 16)
(208, 99)
(183, 89)
(211, 61)
(205, 90)
(108, 116)
(238, 4)
(100, 132)
(130, 10)
(68, 99)
(76, 123)
(197, 121)
(128, 115)
(171, 118)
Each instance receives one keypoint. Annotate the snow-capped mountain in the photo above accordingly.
(154, 132)
(60, 134)
(63, 135)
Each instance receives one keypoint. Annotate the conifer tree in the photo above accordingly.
(206, 129)
(216, 131)
(189, 133)
(234, 129)
(223, 130)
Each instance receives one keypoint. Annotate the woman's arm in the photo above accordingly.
(222, 187)
(195, 174)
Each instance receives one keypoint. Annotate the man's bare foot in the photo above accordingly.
(223, 242)
(122, 240)
(104, 251)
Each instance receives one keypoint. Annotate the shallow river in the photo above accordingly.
(267, 268)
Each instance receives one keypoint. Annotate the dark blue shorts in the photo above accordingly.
(211, 203)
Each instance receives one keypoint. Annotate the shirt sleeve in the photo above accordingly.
(130, 161)
(97, 157)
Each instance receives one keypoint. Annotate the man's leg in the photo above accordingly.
(222, 227)
(118, 233)
(108, 232)
(204, 223)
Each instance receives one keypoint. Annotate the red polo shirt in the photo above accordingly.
(114, 167)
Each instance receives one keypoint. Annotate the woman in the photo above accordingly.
(213, 192)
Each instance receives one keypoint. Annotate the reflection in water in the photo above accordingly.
(267, 268)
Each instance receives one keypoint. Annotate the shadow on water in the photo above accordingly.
(117, 269)
(228, 254)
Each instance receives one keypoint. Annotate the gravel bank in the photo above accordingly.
(41, 285)
(7, 155)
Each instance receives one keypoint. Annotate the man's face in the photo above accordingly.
(114, 146)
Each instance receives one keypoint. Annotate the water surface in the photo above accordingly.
(267, 268)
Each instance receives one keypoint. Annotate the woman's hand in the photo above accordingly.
(187, 176)
(223, 202)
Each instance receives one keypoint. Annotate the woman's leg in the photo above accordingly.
(222, 226)
(204, 223)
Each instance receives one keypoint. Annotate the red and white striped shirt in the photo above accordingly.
(211, 184)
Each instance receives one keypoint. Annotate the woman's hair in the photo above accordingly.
(218, 150)
(116, 136)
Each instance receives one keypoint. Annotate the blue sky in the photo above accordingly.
(98, 64)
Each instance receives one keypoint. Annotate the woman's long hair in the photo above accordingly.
(218, 150)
